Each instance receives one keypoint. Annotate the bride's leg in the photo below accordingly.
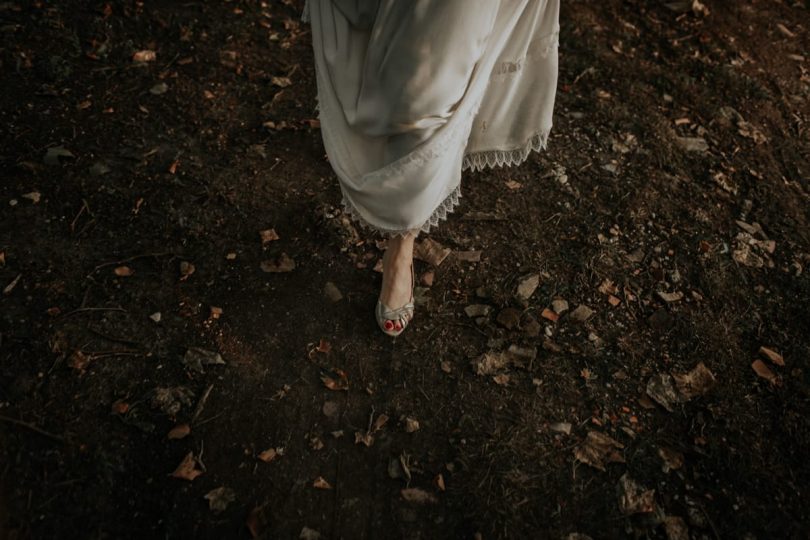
(397, 259)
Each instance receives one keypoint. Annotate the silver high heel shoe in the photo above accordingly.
(394, 321)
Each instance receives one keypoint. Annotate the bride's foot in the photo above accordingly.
(395, 306)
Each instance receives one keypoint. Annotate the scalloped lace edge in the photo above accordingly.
(447, 206)
(476, 161)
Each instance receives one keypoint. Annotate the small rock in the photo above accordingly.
(332, 292)
(56, 154)
(330, 409)
(156, 316)
(527, 286)
(477, 310)
(468, 256)
(561, 427)
(195, 358)
(509, 318)
(283, 263)
(693, 144)
(670, 297)
(421, 296)
(482, 292)
(522, 353)
(159, 88)
(660, 320)
(582, 313)
(99, 168)
(559, 305)
(532, 328)
(309, 534)
(676, 528)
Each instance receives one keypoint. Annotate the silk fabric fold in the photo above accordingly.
(411, 92)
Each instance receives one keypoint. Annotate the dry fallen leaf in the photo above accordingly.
(269, 455)
(673, 460)
(633, 498)
(33, 196)
(120, 407)
(608, 287)
(257, 521)
(219, 498)
(123, 271)
(765, 372)
(419, 496)
(179, 431)
(469, 255)
(440, 482)
(549, 315)
(363, 438)
(186, 269)
(411, 425)
(78, 360)
(335, 379)
(431, 252)
(320, 483)
(598, 448)
(187, 470)
(144, 56)
(661, 388)
(196, 357)
(267, 236)
(695, 383)
(772, 355)
(380, 422)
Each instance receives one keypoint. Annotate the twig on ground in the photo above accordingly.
(32, 427)
(201, 404)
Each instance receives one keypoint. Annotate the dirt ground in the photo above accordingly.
(169, 371)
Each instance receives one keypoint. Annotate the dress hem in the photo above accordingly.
(474, 161)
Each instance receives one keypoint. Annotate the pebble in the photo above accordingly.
(559, 305)
(477, 310)
(582, 313)
(509, 318)
(332, 292)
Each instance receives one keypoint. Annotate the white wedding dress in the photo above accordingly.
(412, 92)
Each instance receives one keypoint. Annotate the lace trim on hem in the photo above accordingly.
(476, 161)
(447, 206)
